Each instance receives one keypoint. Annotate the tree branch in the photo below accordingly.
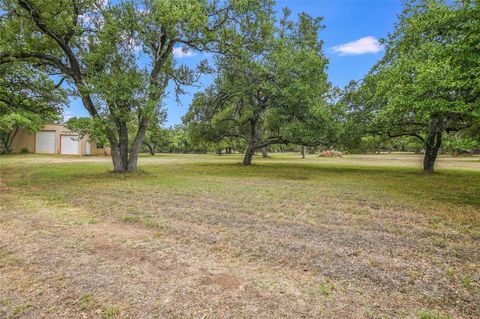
(407, 134)
(26, 56)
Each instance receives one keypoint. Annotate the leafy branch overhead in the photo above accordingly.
(28, 99)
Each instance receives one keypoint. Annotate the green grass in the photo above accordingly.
(86, 301)
(110, 312)
(427, 314)
(450, 196)
(326, 288)
(365, 230)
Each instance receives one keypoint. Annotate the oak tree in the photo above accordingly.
(118, 58)
(28, 99)
(428, 83)
(272, 91)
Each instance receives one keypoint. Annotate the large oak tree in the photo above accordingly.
(99, 49)
(273, 91)
(428, 83)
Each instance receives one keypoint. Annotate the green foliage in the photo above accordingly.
(459, 142)
(91, 127)
(176, 139)
(28, 99)
(97, 48)
(427, 84)
(273, 90)
(179, 140)
(156, 138)
(26, 120)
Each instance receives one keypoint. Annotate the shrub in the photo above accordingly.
(24, 151)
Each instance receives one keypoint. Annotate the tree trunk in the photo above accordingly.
(150, 148)
(303, 151)
(7, 141)
(119, 166)
(5, 145)
(4, 149)
(432, 145)
(123, 143)
(247, 159)
(123, 160)
(429, 162)
(252, 141)
(136, 145)
(264, 152)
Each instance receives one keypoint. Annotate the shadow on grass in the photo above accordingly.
(456, 188)
(313, 170)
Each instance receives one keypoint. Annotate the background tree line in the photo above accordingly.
(270, 90)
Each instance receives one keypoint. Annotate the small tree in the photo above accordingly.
(457, 143)
(157, 139)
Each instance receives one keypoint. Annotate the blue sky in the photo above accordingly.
(352, 29)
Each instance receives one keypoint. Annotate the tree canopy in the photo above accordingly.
(428, 82)
(273, 91)
(28, 99)
(270, 77)
(97, 47)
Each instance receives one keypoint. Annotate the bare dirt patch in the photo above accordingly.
(225, 281)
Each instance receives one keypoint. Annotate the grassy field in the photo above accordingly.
(200, 236)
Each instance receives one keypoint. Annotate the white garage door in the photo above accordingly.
(69, 144)
(45, 142)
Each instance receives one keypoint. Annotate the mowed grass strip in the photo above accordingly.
(452, 195)
(346, 233)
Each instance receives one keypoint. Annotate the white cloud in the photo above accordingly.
(363, 45)
(182, 53)
(67, 115)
